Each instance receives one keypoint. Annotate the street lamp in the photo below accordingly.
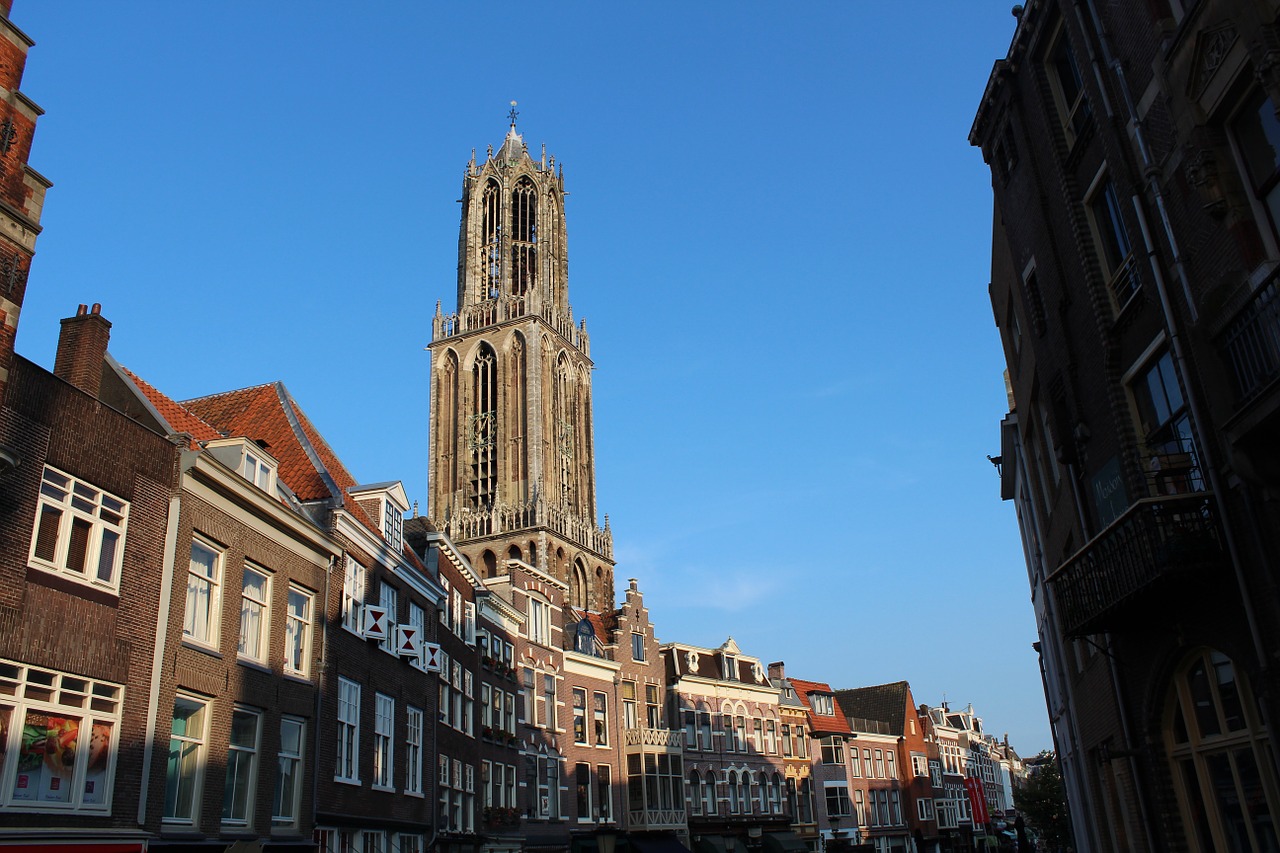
(837, 840)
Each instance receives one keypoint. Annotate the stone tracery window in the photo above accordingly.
(581, 594)
(517, 408)
(482, 438)
(490, 258)
(1218, 750)
(447, 407)
(524, 237)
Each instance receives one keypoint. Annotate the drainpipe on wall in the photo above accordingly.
(320, 688)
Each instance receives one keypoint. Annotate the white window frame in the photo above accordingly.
(236, 753)
(384, 726)
(418, 620)
(393, 525)
(348, 717)
(413, 750)
(297, 632)
(90, 709)
(258, 471)
(199, 743)
(204, 633)
(75, 500)
(353, 590)
(248, 604)
(295, 760)
(388, 599)
(539, 621)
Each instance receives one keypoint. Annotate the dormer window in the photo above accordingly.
(730, 663)
(385, 505)
(247, 458)
(822, 705)
(256, 470)
(393, 525)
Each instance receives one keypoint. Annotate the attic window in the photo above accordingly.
(731, 667)
(393, 525)
(247, 458)
(256, 470)
(822, 705)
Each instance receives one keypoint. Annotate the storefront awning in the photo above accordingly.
(784, 842)
(710, 844)
(661, 843)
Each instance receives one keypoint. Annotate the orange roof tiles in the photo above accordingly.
(269, 414)
(821, 723)
(179, 418)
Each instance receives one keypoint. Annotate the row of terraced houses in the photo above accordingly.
(213, 635)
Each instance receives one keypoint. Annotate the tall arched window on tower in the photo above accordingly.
(489, 252)
(552, 240)
(1219, 749)
(482, 428)
(581, 590)
(524, 237)
(518, 417)
(447, 412)
(564, 406)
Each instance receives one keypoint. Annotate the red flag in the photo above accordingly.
(977, 801)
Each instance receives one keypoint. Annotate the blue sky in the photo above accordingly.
(778, 235)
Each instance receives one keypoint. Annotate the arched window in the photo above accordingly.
(518, 419)
(744, 791)
(489, 262)
(775, 794)
(564, 409)
(581, 589)
(1219, 750)
(806, 801)
(490, 561)
(709, 805)
(447, 418)
(524, 237)
(513, 553)
(733, 792)
(482, 428)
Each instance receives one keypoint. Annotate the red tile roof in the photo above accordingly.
(179, 418)
(821, 723)
(269, 414)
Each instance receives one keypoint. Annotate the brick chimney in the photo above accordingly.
(778, 669)
(82, 346)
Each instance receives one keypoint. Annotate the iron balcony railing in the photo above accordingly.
(1154, 541)
(1250, 343)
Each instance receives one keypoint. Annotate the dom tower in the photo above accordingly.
(512, 470)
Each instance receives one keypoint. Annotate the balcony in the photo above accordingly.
(1250, 343)
(1154, 544)
(655, 819)
(666, 739)
(1250, 349)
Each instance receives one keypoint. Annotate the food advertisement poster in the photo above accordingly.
(46, 758)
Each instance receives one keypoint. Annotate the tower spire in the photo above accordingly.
(512, 115)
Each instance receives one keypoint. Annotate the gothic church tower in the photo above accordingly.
(512, 467)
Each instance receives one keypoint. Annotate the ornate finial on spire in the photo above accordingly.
(512, 115)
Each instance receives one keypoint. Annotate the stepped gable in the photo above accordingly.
(886, 703)
(179, 418)
(269, 413)
(819, 722)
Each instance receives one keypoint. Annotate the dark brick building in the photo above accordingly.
(1135, 150)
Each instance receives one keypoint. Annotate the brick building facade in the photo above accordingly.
(1134, 257)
